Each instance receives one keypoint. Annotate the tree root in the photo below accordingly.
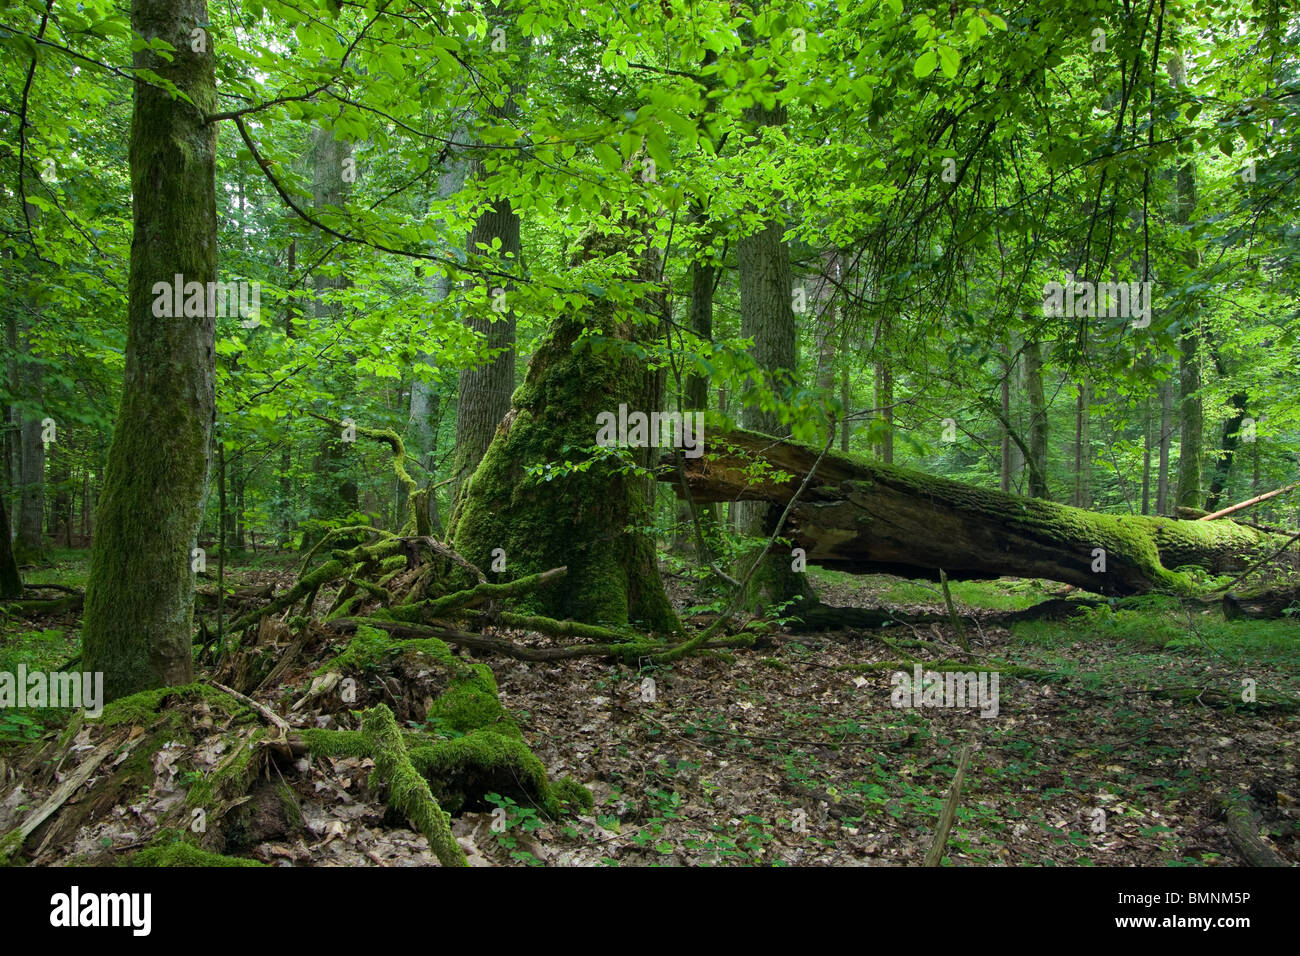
(470, 597)
(408, 792)
(624, 650)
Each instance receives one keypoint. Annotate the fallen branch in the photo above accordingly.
(479, 594)
(1246, 504)
(934, 856)
(12, 843)
(626, 650)
(1243, 833)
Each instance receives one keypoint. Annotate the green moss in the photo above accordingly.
(177, 852)
(367, 648)
(335, 743)
(573, 796)
(471, 702)
(231, 776)
(483, 761)
(587, 520)
(11, 844)
(408, 791)
(141, 708)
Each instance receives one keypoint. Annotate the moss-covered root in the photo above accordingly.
(393, 441)
(476, 595)
(408, 792)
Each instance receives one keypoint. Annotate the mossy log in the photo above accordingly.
(863, 517)
(1243, 833)
(1265, 602)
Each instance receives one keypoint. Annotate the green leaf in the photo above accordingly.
(925, 64)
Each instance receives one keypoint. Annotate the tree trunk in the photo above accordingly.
(334, 493)
(1004, 469)
(140, 594)
(484, 390)
(1083, 447)
(425, 414)
(31, 507)
(869, 518)
(588, 521)
(1228, 450)
(767, 316)
(1166, 436)
(11, 583)
(1191, 411)
(1036, 462)
(703, 277)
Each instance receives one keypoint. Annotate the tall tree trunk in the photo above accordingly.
(1083, 446)
(286, 498)
(30, 545)
(703, 278)
(425, 412)
(1036, 463)
(1004, 469)
(140, 595)
(31, 507)
(1191, 447)
(334, 493)
(11, 583)
(846, 401)
(588, 521)
(60, 475)
(767, 316)
(484, 390)
(1146, 456)
(885, 402)
(1166, 436)
(13, 420)
(1228, 450)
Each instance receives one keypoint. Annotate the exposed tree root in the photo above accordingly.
(624, 650)
(408, 792)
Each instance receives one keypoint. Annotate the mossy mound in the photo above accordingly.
(171, 849)
(460, 738)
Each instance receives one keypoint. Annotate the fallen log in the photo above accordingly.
(867, 517)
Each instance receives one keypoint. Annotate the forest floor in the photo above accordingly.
(1115, 751)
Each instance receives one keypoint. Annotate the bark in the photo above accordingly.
(425, 413)
(31, 507)
(334, 493)
(1036, 460)
(1146, 456)
(484, 391)
(1231, 439)
(1083, 447)
(885, 402)
(703, 280)
(866, 517)
(11, 583)
(140, 595)
(1166, 434)
(767, 316)
(1004, 469)
(1191, 411)
(588, 520)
